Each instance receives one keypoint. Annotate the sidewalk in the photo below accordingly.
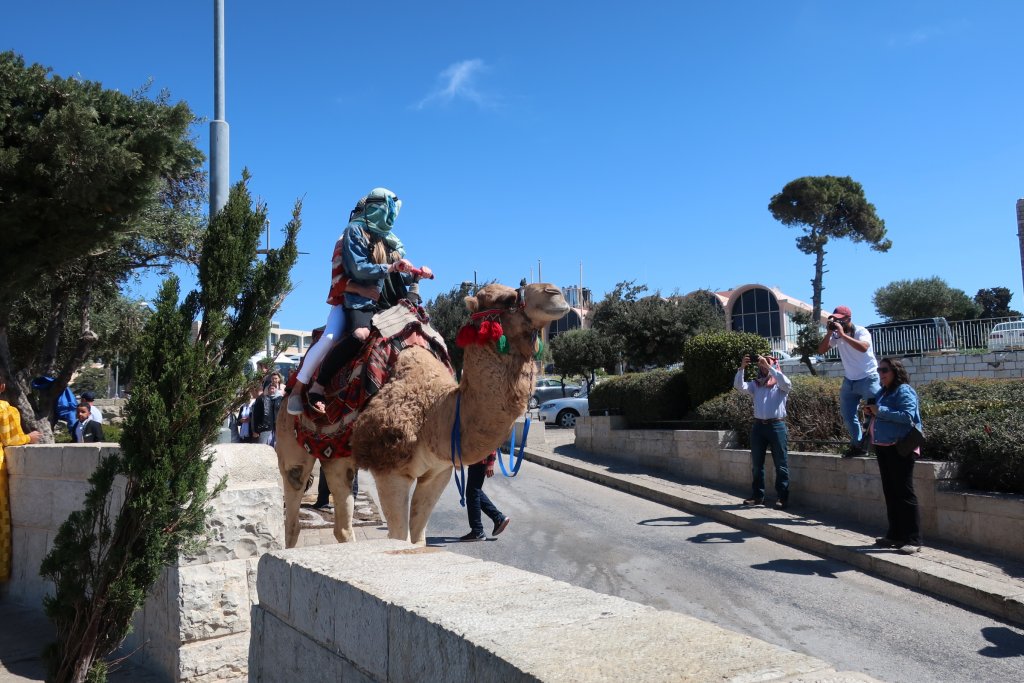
(988, 584)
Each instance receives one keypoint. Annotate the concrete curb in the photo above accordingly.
(933, 571)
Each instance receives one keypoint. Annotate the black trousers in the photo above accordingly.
(477, 500)
(897, 472)
(345, 350)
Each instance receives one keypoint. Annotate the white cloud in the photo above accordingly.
(458, 81)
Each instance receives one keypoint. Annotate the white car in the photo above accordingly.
(1006, 336)
(564, 411)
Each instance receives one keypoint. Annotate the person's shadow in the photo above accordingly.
(671, 521)
(801, 567)
(1005, 642)
(721, 537)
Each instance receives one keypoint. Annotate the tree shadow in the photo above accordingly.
(672, 521)
(721, 537)
(801, 567)
(1005, 642)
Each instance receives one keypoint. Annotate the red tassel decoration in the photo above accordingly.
(495, 332)
(466, 336)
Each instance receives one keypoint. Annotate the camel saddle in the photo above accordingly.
(392, 331)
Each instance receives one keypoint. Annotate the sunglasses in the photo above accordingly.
(884, 370)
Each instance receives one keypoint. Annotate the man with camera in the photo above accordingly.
(859, 367)
(770, 389)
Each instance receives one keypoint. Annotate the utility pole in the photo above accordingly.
(1020, 238)
(219, 158)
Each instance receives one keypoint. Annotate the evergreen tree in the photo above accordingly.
(827, 207)
(105, 559)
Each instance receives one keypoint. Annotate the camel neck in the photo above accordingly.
(495, 389)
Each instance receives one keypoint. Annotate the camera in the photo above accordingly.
(833, 324)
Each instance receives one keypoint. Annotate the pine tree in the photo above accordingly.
(106, 558)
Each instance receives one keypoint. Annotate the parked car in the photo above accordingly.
(548, 388)
(911, 337)
(1006, 336)
(564, 411)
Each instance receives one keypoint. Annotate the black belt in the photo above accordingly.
(758, 420)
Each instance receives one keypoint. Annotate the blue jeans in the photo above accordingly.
(850, 395)
(775, 435)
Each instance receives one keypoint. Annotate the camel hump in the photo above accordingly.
(391, 425)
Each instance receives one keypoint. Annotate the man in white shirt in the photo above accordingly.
(859, 367)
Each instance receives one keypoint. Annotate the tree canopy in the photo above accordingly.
(447, 315)
(994, 302)
(94, 184)
(923, 298)
(105, 559)
(582, 352)
(827, 207)
(651, 330)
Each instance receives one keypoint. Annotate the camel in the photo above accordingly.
(404, 434)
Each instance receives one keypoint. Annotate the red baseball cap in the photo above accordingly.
(842, 312)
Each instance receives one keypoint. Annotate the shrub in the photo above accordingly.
(643, 396)
(976, 422)
(711, 361)
(812, 408)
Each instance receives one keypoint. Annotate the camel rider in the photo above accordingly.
(368, 259)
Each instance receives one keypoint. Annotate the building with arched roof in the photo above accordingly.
(762, 310)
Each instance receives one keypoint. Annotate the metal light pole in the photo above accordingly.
(219, 158)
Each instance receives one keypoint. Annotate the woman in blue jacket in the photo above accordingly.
(896, 412)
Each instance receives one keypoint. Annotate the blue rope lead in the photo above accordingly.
(460, 484)
(514, 462)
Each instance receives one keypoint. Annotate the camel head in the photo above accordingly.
(522, 313)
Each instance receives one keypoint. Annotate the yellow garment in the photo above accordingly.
(10, 435)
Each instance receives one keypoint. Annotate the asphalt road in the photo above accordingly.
(614, 543)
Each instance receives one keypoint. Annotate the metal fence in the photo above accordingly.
(973, 334)
(966, 335)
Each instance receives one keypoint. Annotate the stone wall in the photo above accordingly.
(849, 487)
(388, 611)
(1000, 365)
(195, 623)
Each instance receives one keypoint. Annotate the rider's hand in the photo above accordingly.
(426, 273)
(490, 470)
(400, 266)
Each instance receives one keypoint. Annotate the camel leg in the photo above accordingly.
(429, 488)
(394, 490)
(293, 477)
(340, 472)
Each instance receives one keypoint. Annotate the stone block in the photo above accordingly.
(218, 659)
(274, 584)
(997, 533)
(79, 461)
(31, 502)
(951, 501)
(212, 600)
(244, 523)
(41, 461)
(64, 498)
(996, 505)
(863, 488)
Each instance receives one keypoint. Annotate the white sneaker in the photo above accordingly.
(294, 406)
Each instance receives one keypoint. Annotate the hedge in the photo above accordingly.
(711, 361)
(812, 408)
(644, 396)
(973, 422)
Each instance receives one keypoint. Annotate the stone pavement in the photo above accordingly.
(988, 584)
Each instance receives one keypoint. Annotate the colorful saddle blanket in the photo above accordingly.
(398, 328)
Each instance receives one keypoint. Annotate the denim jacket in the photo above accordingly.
(898, 411)
(359, 265)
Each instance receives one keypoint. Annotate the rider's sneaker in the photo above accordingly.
(294, 406)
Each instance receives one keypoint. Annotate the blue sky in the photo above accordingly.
(643, 139)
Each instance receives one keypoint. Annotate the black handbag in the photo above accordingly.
(910, 443)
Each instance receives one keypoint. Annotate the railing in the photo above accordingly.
(966, 335)
(973, 334)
